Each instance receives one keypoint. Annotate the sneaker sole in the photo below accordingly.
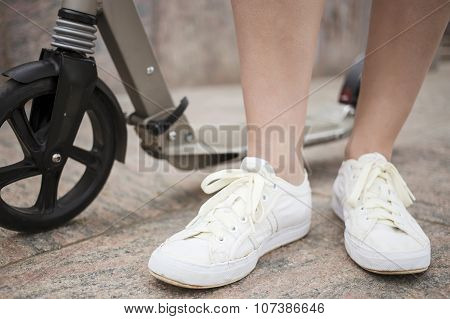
(400, 272)
(371, 261)
(165, 270)
(180, 284)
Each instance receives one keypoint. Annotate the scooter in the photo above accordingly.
(62, 87)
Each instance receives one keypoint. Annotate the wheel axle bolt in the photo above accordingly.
(56, 158)
(150, 70)
(172, 135)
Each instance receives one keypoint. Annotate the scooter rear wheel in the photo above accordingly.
(31, 130)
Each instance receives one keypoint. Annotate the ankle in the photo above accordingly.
(288, 168)
(283, 153)
(294, 179)
(354, 150)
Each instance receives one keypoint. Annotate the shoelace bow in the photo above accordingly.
(369, 173)
(229, 181)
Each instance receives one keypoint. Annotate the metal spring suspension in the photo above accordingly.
(74, 36)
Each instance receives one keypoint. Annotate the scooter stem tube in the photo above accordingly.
(134, 58)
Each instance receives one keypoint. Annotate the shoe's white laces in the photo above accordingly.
(234, 184)
(387, 177)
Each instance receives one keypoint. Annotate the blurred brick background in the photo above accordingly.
(194, 40)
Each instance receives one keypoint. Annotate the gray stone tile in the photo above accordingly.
(104, 252)
(114, 265)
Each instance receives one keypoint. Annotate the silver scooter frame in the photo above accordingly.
(132, 53)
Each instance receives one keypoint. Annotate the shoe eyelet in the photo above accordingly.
(264, 197)
(221, 239)
(234, 229)
(274, 186)
(244, 219)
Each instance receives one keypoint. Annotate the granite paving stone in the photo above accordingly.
(103, 253)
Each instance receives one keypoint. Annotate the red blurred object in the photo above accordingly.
(345, 95)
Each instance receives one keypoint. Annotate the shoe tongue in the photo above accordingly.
(236, 201)
(255, 165)
(372, 157)
(379, 183)
(380, 187)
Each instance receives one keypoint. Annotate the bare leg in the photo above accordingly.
(277, 42)
(394, 74)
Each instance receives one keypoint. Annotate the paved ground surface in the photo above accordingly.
(104, 252)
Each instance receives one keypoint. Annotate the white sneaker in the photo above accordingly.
(380, 235)
(254, 213)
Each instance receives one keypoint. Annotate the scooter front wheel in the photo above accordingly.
(31, 129)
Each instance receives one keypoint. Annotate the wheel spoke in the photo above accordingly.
(21, 127)
(15, 172)
(88, 158)
(49, 190)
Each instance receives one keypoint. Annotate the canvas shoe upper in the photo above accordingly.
(380, 234)
(253, 212)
